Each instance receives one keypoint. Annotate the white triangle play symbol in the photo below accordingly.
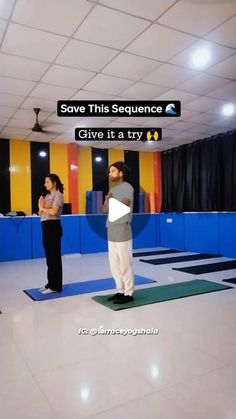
(117, 210)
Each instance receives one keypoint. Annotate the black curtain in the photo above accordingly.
(5, 201)
(200, 176)
(229, 173)
(193, 182)
(40, 167)
(167, 181)
(99, 170)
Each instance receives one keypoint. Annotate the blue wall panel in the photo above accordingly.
(201, 232)
(93, 234)
(144, 229)
(15, 238)
(227, 234)
(21, 237)
(37, 245)
(158, 226)
(172, 230)
(71, 234)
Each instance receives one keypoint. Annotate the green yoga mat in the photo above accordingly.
(164, 293)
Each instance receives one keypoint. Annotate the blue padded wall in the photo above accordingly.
(144, 229)
(172, 230)
(21, 237)
(201, 232)
(37, 245)
(158, 226)
(143, 237)
(71, 234)
(15, 238)
(227, 234)
(91, 241)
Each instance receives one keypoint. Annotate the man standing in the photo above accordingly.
(120, 235)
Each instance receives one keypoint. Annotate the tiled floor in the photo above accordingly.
(49, 371)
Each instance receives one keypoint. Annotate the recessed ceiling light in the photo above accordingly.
(42, 153)
(201, 57)
(98, 159)
(228, 109)
(84, 393)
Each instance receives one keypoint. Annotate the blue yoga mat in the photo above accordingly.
(83, 288)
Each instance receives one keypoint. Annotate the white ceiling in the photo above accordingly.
(116, 50)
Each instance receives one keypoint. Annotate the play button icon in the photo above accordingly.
(116, 210)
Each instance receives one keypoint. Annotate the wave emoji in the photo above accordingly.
(170, 109)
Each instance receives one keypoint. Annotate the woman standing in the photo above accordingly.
(50, 209)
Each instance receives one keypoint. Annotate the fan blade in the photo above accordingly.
(37, 127)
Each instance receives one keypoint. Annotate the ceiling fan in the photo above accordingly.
(37, 127)
(43, 129)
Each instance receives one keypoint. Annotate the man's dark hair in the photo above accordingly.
(121, 166)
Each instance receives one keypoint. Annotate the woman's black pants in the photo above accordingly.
(52, 234)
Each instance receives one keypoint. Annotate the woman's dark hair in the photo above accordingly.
(121, 166)
(55, 179)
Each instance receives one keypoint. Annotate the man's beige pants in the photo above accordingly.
(121, 265)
